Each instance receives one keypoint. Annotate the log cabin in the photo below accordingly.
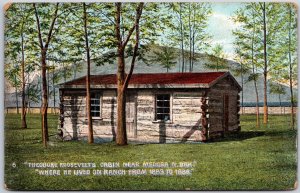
(160, 107)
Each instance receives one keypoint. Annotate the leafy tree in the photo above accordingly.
(247, 48)
(122, 78)
(292, 54)
(18, 21)
(130, 33)
(88, 78)
(88, 42)
(188, 30)
(12, 75)
(241, 70)
(284, 57)
(198, 14)
(45, 27)
(178, 9)
(267, 22)
(269, 15)
(286, 67)
(32, 93)
(217, 59)
(277, 89)
(165, 56)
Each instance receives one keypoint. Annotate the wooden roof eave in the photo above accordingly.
(223, 76)
(136, 86)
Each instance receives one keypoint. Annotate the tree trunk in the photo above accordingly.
(291, 70)
(193, 38)
(190, 38)
(193, 51)
(265, 65)
(181, 34)
(53, 89)
(45, 136)
(122, 79)
(24, 124)
(17, 102)
(88, 89)
(280, 104)
(257, 105)
(44, 49)
(48, 82)
(121, 138)
(242, 84)
(254, 70)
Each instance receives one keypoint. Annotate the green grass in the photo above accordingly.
(255, 159)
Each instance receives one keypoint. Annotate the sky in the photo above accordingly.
(221, 26)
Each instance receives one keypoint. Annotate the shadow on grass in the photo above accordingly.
(239, 136)
(243, 135)
(280, 133)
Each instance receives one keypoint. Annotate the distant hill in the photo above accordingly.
(141, 67)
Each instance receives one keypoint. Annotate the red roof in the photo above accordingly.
(155, 78)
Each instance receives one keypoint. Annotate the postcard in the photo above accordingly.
(150, 96)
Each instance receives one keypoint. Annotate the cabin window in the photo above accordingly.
(95, 105)
(162, 110)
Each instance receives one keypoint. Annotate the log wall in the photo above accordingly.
(75, 121)
(216, 96)
(195, 115)
(184, 124)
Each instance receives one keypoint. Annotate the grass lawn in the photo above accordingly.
(255, 159)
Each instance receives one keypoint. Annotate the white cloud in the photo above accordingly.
(220, 27)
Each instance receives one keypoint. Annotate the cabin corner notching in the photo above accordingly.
(160, 108)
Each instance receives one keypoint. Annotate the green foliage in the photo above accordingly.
(18, 29)
(217, 59)
(286, 51)
(249, 38)
(67, 42)
(33, 92)
(11, 74)
(253, 77)
(165, 56)
(255, 159)
(277, 89)
(187, 29)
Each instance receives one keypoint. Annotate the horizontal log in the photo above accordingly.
(73, 96)
(225, 87)
(187, 111)
(109, 101)
(145, 109)
(214, 110)
(109, 94)
(189, 102)
(73, 102)
(74, 114)
(145, 102)
(215, 105)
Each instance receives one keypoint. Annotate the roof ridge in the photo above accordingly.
(176, 78)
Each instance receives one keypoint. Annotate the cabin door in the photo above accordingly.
(225, 111)
(131, 115)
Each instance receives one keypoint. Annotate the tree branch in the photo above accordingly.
(107, 17)
(51, 27)
(38, 26)
(117, 22)
(137, 37)
(138, 16)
